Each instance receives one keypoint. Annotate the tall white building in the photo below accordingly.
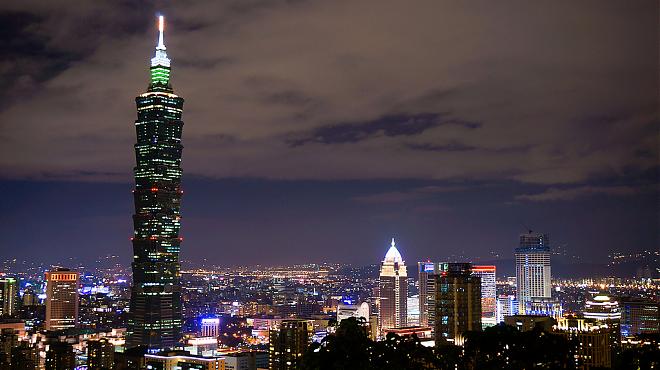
(488, 293)
(532, 269)
(413, 311)
(393, 290)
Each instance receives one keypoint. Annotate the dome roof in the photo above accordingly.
(393, 254)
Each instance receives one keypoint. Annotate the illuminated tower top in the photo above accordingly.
(160, 63)
(393, 254)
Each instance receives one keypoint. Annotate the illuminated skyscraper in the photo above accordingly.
(488, 294)
(592, 340)
(639, 317)
(457, 303)
(8, 296)
(506, 306)
(427, 292)
(393, 288)
(532, 269)
(61, 299)
(155, 313)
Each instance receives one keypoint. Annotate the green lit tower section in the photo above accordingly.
(155, 310)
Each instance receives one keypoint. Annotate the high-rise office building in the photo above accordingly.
(61, 299)
(393, 290)
(639, 317)
(592, 340)
(532, 268)
(606, 310)
(506, 306)
(427, 292)
(155, 310)
(100, 354)
(8, 296)
(457, 302)
(60, 356)
(288, 341)
(488, 293)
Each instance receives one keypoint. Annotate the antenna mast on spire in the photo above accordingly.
(161, 29)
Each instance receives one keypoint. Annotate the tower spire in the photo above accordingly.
(160, 58)
(161, 29)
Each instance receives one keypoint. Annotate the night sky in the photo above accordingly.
(317, 130)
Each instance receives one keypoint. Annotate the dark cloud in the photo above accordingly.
(567, 194)
(452, 146)
(548, 97)
(413, 194)
(394, 125)
(550, 92)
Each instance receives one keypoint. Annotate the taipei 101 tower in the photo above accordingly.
(155, 310)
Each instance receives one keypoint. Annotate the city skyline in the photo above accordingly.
(273, 143)
(508, 152)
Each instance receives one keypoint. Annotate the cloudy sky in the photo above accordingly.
(316, 130)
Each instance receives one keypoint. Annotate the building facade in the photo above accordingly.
(639, 317)
(457, 303)
(532, 268)
(426, 281)
(60, 356)
(100, 354)
(155, 307)
(602, 307)
(61, 299)
(358, 311)
(544, 307)
(487, 275)
(592, 338)
(210, 327)
(240, 360)
(507, 305)
(8, 296)
(181, 360)
(393, 290)
(288, 341)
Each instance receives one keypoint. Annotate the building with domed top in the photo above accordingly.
(393, 290)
